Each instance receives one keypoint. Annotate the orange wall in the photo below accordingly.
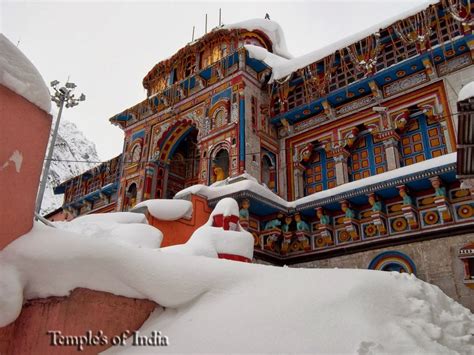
(25, 128)
(178, 232)
(83, 310)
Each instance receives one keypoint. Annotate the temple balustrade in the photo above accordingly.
(419, 204)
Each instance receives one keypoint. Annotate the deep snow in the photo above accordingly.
(18, 74)
(215, 305)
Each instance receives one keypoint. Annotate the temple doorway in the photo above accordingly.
(183, 165)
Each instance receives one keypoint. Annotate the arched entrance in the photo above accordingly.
(177, 160)
(183, 168)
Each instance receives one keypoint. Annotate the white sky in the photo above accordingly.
(108, 47)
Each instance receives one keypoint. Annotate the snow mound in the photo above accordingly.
(18, 74)
(466, 92)
(212, 239)
(271, 28)
(220, 306)
(167, 210)
(263, 309)
(120, 227)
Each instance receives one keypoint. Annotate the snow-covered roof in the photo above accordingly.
(18, 74)
(282, 67)
(214, 192)
(466, 92)
(167, 210)
(271, 29)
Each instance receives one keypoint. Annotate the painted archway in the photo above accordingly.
(393, 261)
(169, 148)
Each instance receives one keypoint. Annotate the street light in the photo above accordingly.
(61, 96)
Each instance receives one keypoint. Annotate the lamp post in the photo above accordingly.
(61, 97)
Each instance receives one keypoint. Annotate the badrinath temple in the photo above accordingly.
(344, 157)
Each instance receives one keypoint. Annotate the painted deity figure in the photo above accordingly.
(406, 198)
(301, 226)
(440, 191)
(244, 210)
(323, 219)
(286, 227)
(274, 223)
(219, 173)
(376, 205)
(349, 213)
(287, 235)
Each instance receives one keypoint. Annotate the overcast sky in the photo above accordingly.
(108, 47)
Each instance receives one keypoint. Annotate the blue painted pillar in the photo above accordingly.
(242, 132)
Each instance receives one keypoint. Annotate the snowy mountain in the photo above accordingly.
(73, 154)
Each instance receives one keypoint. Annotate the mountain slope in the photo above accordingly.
(73, 154)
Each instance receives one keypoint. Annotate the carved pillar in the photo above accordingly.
(342, 173)
(392, 153)
(242, 59)
(147, 189)
(298, 180)
(447, 138)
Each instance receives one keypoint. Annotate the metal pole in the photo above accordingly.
(39, 199)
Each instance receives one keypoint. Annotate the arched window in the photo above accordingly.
(268, 172)
(320, 173)
(220, 166)
(367, 158)
(393, 261)
(131, 196)
(423, 139)
(220, 118)
(136, 153)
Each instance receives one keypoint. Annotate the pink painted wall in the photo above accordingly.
(83, 310)
(25, 128)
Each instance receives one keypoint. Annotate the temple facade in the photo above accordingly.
(344, 157)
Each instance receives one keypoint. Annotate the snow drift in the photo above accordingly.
(215, 305)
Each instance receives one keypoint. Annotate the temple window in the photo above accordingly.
(136, 153)
(394, 51)
(131, 196)
(345, 73)
(219, 119)
(268, 171)
(320, 173)
(466, 254)
(94, 185)
(367, 158)
(296, 97)
(173, 76)
(220, 165)
(423, 139)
